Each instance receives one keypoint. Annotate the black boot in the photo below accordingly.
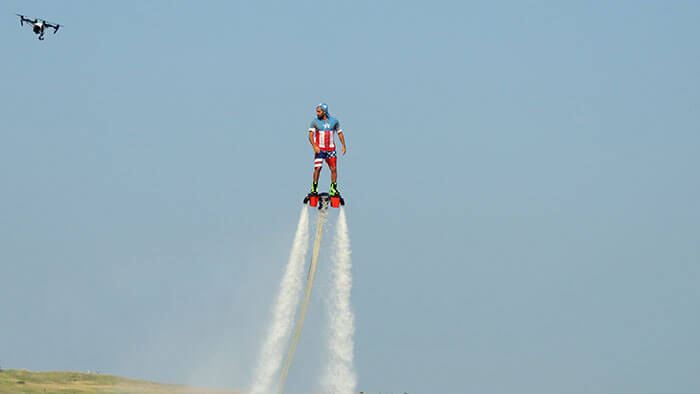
(334, 192)
(314, 188)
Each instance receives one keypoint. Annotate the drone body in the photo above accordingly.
(38, 25)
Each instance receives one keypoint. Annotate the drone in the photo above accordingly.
(38, 25)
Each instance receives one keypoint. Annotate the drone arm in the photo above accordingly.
(54, 27)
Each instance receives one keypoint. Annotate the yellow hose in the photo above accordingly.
(322, 215)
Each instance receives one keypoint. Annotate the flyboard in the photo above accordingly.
(322, 201)
(313, 199)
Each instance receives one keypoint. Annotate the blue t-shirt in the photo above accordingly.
(324, 132)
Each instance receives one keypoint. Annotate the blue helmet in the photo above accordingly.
(324, 108)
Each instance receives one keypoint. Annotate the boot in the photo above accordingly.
(334, 190)
(314, 188)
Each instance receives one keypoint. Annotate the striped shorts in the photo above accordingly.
(327, 155)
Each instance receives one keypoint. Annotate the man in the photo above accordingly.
(321, 137)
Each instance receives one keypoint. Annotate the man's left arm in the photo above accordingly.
(339, 130)
(342, 140)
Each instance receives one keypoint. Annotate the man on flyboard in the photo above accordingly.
(321, 136)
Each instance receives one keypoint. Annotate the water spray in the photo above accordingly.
(283, 315)
(340, 377)
(322, 216)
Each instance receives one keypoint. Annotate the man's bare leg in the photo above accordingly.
(314, 187)
(334, 178)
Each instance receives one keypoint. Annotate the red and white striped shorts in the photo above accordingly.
(327, 155)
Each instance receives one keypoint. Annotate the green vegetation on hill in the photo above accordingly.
(23, 381)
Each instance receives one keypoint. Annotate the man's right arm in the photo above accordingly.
(313, 143)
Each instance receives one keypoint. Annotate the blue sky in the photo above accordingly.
(521, 186)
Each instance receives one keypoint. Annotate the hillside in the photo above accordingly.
(23, 381)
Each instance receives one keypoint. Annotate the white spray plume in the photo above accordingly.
(340, 376)
(283, 316)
